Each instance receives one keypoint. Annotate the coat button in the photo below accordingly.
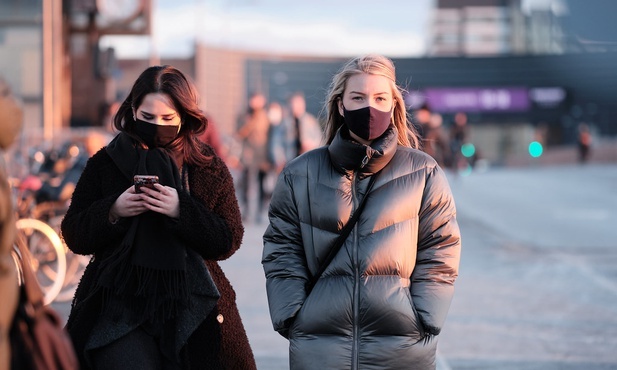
(220, 318)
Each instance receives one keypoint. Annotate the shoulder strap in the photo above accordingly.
(338, 243)
(32, 289)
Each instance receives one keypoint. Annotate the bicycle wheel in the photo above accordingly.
(75, 265)
(49, 259)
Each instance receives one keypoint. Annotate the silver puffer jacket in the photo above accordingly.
(382, 301)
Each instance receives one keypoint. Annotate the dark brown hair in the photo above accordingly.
(173, 83)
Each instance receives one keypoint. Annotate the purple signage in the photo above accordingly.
(477, 99)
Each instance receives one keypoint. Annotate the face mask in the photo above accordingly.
(368, 123)
(155, 135)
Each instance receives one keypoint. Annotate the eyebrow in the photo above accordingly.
(163, 115)
(361, 93)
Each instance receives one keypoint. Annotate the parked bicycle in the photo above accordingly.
(49, 257)
(41, 202)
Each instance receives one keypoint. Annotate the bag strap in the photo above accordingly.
(32, 289)
(338, 243)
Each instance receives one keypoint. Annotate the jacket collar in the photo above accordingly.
(347, 155)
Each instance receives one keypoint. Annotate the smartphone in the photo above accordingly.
(144, 180)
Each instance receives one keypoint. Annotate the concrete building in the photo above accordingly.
(477, 28)
(50, 56)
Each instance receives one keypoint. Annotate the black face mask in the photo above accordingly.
(368, 123)
(155, 135)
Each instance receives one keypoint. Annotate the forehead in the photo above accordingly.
(368, 84)
(157, 104)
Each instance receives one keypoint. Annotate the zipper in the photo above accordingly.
(355, 263)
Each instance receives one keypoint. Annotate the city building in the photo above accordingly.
(511, 68)
(50, 56)
(477, 28)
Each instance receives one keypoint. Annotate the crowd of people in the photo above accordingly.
(271, 134)
(444, 142)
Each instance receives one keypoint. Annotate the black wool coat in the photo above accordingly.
(209, 223)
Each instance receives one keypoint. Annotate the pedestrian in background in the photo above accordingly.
(583, 142)
(253, 133)
(277, 136)
(459, 135)
(383, 299)
(293, 131)
(435, 140)
(212, 137)
(421, 122)
(306, 133)
(147, 300)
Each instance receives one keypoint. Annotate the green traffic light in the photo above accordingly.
(468, 150)
(535, 149)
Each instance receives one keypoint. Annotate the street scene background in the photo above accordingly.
(515, 100)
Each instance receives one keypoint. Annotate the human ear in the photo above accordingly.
(340, 107)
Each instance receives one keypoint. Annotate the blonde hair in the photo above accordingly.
(375, 65)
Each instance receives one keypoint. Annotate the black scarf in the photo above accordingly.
(148, 270)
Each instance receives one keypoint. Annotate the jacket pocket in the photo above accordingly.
(416, 316)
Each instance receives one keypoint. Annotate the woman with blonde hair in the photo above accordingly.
(382, 299)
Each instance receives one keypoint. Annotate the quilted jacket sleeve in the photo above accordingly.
(283, 259)
(439, 246)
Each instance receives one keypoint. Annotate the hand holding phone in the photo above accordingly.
(144, 180)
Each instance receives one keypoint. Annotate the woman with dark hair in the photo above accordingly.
(153, 295)
(382, 300)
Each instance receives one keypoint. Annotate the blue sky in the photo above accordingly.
(397, 28)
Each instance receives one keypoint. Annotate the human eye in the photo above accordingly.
(146, 116)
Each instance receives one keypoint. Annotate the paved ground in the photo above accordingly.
(538, 278)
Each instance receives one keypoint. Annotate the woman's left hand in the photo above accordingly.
(163, 200)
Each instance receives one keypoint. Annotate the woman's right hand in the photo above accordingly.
(128, 204)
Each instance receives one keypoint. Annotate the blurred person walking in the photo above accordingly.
(583, 142)
(305, 131)
(277, 136)
(382, 299)
(435, 140)
(421, 122)
(253, 133)
(293, 131)
(458, 137)
(154, 295)
(212, 137)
